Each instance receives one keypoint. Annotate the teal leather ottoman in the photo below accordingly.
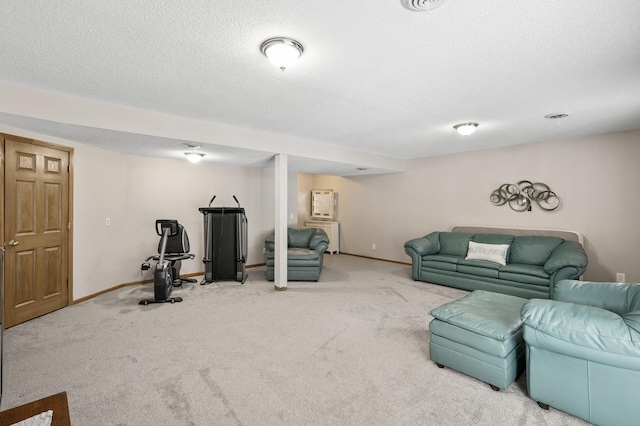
(480, 335)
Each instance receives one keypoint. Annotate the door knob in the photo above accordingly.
(13, 243)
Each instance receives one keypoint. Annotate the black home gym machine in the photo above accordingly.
(173, 248)
(225, 243)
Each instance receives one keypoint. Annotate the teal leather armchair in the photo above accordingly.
(305, 254)
(583, 351)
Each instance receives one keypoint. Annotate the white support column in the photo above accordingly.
(280, 278)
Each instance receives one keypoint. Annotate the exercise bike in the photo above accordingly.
(173, 249)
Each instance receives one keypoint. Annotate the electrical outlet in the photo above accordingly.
(373, 246)
(107, 222)
(620, 277)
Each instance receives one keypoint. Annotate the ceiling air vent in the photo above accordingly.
(422, 5)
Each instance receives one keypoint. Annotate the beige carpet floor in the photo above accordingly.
(351, 349)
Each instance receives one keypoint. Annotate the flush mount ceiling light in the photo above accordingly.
(192, 155)
(557, 116)
(422, 5)
(281, 52)
(465, 129)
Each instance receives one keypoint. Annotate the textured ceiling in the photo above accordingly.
(374, 77)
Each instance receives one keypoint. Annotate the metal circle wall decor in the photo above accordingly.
(519, 196)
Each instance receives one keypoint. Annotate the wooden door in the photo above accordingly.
(36, 230)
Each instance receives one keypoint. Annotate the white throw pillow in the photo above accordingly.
(492, 252)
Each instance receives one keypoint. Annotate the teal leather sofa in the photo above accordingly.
(305, 254)
(533, 263)
(583, 351)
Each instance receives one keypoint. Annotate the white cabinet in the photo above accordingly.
(332, 228)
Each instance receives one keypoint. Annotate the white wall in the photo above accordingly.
(135, 191)
(172, 189)
(100, 252)
(596, 179)
(305, 185)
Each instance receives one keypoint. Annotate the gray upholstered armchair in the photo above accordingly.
(583, 351)
(305, 253)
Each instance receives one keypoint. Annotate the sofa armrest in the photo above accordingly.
(418, 247)
(615, 297)
(319, 241)
(429, 244)
(584, 332)
(321, 247)
(568, 254)
(270, 243)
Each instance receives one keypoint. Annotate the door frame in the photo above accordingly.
(44, 144)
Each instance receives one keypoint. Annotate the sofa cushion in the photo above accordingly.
(496, 253)
(508, 277)
(486, 313)
(441, 258)
(297, 256)
(525, 274)
(443, 262)
(523, 269)
(480, 264)
(302, 253)
(454, 243)
(533, 250)
(300, 237)
(442, 266)
(493, 238)
(478, 271)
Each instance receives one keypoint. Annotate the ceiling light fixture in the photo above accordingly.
(422, 5)
(557, 116)
(193, 156)
(465, 129)
(281, 52)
